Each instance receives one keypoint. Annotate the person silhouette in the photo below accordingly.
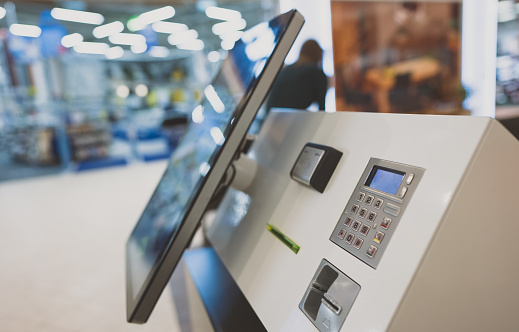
(301, 84)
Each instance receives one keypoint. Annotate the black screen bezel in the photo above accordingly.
(139, 306)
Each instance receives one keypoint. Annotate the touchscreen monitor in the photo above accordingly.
(195, 169)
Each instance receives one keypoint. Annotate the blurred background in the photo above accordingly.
(93, 84)
(112, 84)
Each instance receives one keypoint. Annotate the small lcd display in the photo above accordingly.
(385, 179)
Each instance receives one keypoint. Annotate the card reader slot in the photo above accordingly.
(331, 304)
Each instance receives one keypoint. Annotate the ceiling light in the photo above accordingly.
(227, 44)
(198, 114)
(139, 48)
(159, 51)
(233, 35)
(169, 27)
(141, 90)
(77, 16)
(2, 12)
(127, 39)
(140, 22)
(182, 37)
(122, 91)
(108, 29)
(222, 13)
(25, 30)
(230, 26)
(92, 48)
(194, 45)
(114, 52)
(217, 135)
(71, 40)
(214, 56)
(157, 15)
(214, 99)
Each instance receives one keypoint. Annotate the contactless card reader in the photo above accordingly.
(375, 208)
(315, 165)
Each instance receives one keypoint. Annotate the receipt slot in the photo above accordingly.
(329, 298)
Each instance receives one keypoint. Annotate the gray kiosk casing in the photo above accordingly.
(450, 262)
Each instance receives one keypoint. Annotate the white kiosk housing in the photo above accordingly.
(415, 231)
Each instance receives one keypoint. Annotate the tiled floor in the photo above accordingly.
(62, 251)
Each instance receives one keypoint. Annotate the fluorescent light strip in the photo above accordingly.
(139, 48)
(157, 15)
(71, 40)
(233, 35)
(114, 52)
(227, 44)
(214, 99)
(159, 51)
(194, 45)
(222, 13)
(169, 27)
(92, 48)
(25, 30)
(230, 26)
(204, 167)
(127, 39)
(198, 114)
(152, 16)
(108, 29)
(77, 16)
(182, 37)
(213, 56)
(217, 135)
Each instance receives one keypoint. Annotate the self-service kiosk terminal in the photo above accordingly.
(339, 222)
(414, 231)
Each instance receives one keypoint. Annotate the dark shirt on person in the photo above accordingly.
(298, 86)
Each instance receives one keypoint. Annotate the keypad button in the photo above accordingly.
(372, 216)
(356, 225)
(403, 191)
(354, 209)
(364, 230)
(361, 196)
(348, 221)
(363, 213)
(409, 179)
(386, 222)
(392, 209)
(369, 200)
(358, 243)
(379, 236)
(342, 234)
(378, 203)
(349, 238)
(372, 250)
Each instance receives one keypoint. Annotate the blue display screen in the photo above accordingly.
(385, 179)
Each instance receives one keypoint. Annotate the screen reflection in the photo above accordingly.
(192, 160)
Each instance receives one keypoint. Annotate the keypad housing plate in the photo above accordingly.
(393, 200)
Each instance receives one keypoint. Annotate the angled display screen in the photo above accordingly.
(385, 179)
(196, 167)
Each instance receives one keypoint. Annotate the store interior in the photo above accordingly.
(76, 98)
(69, 107)
(92, 107)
